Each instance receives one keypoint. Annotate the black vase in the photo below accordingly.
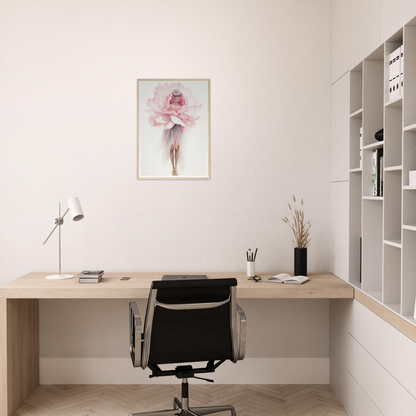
(301, 261)
(379, 135)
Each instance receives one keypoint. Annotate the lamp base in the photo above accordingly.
(60, 276)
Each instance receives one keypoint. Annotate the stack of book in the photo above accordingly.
(412, 178)
(378, 172)
(91, 276)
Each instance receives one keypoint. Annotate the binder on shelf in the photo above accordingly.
(397, 72)
(401, 69)
(394, 74)
(391, 57)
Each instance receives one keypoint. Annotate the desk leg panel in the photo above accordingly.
(3, 357)
(19, 355)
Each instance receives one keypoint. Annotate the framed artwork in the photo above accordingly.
(173, 129)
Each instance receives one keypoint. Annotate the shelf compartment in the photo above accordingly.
(373, 105)
(389, 47)
(367, 155)
(393, 131)
(355, 215)
(372, 246)
(392, 275)
(409, 155)
(409, 273)
(409, 208)
(355, 125)
(409, 109)
(392, 205)
(356, 88)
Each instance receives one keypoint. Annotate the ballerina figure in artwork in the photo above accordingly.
(173, 109)
(173, 136)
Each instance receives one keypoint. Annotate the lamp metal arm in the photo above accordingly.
(58, 221)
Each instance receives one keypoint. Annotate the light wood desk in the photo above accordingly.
(19, 315)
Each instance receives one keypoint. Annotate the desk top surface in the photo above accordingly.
(35, 286)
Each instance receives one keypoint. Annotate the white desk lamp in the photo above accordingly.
(74, 208)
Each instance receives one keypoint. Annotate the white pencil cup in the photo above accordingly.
(251, 269)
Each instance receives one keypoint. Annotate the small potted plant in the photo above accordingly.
(302, 239)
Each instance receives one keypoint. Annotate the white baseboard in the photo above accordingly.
(248, 371)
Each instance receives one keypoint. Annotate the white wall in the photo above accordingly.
(68, 73)
(86, 342)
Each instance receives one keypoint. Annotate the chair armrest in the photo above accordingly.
(135, 335)
(241, 331)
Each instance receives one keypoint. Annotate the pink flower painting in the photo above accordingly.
(165, 114)
(175, 108)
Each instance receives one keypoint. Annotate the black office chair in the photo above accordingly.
(186, 322)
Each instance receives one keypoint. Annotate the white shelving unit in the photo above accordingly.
(384, 227)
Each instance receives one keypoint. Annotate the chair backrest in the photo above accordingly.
(190, 321)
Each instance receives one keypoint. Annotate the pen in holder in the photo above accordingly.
(251, 265)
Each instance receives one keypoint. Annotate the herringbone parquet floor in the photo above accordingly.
(121, 400)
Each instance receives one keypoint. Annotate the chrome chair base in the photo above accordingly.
(179, 410)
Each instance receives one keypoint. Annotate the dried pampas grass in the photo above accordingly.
(299, 227)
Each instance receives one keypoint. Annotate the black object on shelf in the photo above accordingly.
(301, 261)
(379, 135)
(379, 155)
(377, 174)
